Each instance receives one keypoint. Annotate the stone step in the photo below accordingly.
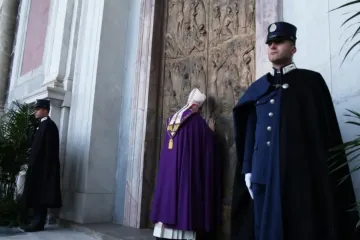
(52, 232)
(109, 231)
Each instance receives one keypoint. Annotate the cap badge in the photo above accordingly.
(272, 27)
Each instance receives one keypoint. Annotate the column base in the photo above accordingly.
(87, 207)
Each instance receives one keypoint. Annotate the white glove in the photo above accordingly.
(248, 184)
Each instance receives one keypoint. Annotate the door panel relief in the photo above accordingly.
(210, 44)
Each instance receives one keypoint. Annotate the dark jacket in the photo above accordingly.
(303, 129)
(42, 183)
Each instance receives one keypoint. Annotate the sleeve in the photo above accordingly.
(249, 142)
(51, 149)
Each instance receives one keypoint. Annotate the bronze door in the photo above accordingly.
(209, 44)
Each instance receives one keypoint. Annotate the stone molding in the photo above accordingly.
(50, 93)
(15, 78)
(57, 42)
(133, 192)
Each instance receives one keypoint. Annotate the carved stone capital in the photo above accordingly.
(55, 95)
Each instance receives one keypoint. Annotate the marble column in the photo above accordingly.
(68, 75)
(92, 136)
(134, 179)
(132, 193)
(267, 12)
(8, 15)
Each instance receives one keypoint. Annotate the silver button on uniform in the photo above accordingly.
(272, 101)
(285, 86)
(271, 114)
(268, 143)
(268, 128)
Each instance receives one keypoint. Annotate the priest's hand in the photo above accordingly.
(211, 124)
(248, 184)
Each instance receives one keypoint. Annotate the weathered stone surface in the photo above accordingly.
(209, 44)
(8, 14)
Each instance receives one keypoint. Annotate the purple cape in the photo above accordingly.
(188, 191)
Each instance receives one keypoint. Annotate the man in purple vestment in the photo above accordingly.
(187, 198)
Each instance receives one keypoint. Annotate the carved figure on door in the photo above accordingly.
(176, 80)
(198, 15)
(217, 63)
(250, 18)
(234, 78)
(198, 77)
(228, 29)
(236, 18)
(177, 8)
(227, 98)
(216, 24)
(172, 49)
(248, 61)
(186, 88)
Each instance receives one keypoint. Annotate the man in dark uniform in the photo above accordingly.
(42, 183)
(285, 125)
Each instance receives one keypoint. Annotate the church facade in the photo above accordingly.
(114, 70)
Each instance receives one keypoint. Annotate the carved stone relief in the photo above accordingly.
(181, 76)
(210, 44)
(186, 32)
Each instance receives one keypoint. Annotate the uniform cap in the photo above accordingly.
(281, 31)
(42, 103)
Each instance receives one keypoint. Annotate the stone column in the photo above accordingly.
(92, 136)
(267, 12)
(134, 178)
(8, 14)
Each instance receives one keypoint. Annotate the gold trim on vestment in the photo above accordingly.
(172, 130)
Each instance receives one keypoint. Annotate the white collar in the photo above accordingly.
(286, 69)
(43, 119)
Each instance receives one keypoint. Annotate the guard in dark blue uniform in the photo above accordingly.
(284, 126)
(42, 182)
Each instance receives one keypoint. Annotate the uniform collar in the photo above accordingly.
(285, 69)
(43, 119)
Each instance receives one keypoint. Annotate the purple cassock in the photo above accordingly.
(188, 190)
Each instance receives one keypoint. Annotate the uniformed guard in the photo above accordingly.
(284, 126)
(42, 183)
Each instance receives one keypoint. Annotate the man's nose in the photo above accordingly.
(272, 45)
